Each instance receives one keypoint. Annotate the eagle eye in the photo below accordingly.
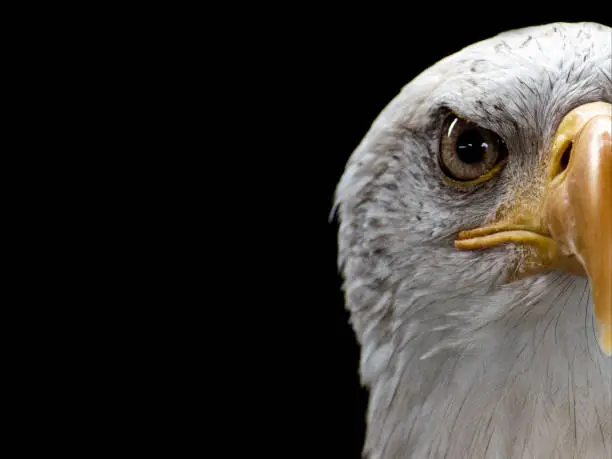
(469, 152)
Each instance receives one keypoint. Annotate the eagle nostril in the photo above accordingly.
(565, 158)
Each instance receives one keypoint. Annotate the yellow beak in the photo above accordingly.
(579, 214)
(570, 225)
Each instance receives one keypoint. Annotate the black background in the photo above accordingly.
(333, 82)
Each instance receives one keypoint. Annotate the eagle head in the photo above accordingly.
(475, 242)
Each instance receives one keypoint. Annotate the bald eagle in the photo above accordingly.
(475, 243)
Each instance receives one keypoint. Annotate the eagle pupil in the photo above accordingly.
(471, 147)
